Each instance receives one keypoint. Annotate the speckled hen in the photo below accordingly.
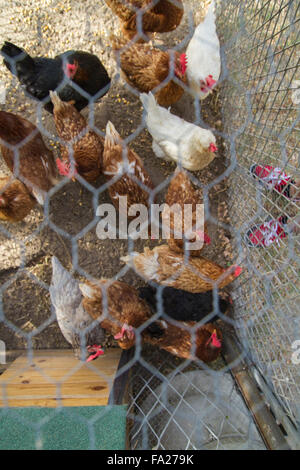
(118, 159)
(182, 197)
(86, 147)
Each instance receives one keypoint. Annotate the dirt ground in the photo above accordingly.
(26, 248)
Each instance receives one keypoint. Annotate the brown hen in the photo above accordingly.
(86, 147)
(163, 17)
(145, 68)
(203, 343)
(180, 195)
(36, 163)
(169, 269)
(125, 310)
(15, 200)
(114, 163)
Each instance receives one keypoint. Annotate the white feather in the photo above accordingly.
(203, 53)
(66, 299)
(86, 290)
(176, 139)
(39, 195)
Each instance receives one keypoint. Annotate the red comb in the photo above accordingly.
(71, 67)
(183, 63)
(203, 236)
(207, 239)
(213, 148)
(237, 271)
(214, 340)
(64, 168)
(210, 81)
(71, 70)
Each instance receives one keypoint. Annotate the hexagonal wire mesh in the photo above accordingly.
(253, 113)
(261, 110)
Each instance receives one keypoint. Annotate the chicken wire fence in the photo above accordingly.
(175, 403)
(261, 112)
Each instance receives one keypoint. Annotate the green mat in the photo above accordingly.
(90, 427)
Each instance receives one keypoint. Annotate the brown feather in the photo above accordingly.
(181, 192)
(124, 306)
(145, 68)
(185, 342)
(15, 200)
(113, 160)
(163, 17)
(87, 151)
(36, 162)
(120, 9)
(169, 269)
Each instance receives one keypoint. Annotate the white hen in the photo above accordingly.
(75, 323)
(203, 56)
(176, 139)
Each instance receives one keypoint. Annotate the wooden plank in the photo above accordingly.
(54, 402)
(56, 377)
(62, 360)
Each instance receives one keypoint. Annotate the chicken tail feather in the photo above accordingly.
(211, 15)
(86, 290)
(128, 258)
(39, 195)
(148, 101)
(57, 102)
(11, 51)
(112, 137)
(64, 288)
